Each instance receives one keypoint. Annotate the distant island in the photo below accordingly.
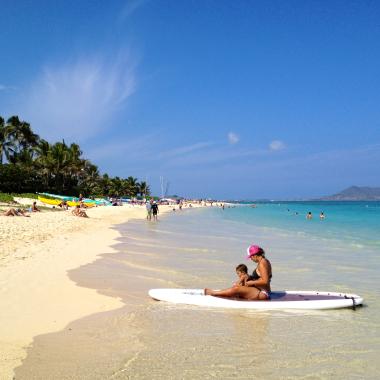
(355, 193)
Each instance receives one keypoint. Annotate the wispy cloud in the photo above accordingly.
(217, 154)
(4, 87)
(185, 150)
(77, 100)
(134, 149)
(130, 7)
(233, 138)
(276, 145)
(299, 165)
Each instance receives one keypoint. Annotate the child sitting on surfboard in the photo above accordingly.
(257, 287)
(242, 273)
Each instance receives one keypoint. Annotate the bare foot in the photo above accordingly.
(208, 292)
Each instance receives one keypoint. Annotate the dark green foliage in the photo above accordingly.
(19, 179)
(30, 164)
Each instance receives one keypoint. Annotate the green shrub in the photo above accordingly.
(26, 195)
(6, 198)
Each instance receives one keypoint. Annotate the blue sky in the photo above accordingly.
(226, 99)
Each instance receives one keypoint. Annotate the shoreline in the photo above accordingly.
(37, 295)
(125, 342)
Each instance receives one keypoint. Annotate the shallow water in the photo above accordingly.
(201, 249)
(150, 339)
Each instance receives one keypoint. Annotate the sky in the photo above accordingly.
(223, 99)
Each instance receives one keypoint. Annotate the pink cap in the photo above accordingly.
(253, 250)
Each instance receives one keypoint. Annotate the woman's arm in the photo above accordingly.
(264, 275)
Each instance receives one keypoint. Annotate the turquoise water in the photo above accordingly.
(355, 223)
(201, 248)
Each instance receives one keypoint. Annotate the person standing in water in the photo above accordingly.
(148, 210)
(309, 215)
(258, 285)
(155, 210)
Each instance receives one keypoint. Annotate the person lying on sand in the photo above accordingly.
(78, 212)
(15, 212)
(258, 285)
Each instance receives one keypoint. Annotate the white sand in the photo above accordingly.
(36, 295)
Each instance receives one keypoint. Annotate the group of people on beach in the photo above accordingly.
(21, 212)
(250, 287)
(151, 209)
(78, 210)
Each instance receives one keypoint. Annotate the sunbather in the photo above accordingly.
(15, 212)
(34, 207)
(78, 212)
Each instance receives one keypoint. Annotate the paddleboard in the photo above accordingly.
(280, 300)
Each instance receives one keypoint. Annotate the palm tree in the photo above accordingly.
(21, 138)
(58, 163)
(132, 188)
(143, 189)
(57, 167)
(43, 153)
(90, 181)
(117, 187)
(75, 165)
(6, 144)
(105, 184)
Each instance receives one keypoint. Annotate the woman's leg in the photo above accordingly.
(245, 292)
(10, 212)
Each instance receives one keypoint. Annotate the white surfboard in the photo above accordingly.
(280, 300)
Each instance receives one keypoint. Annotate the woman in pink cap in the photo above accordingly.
(258, 285)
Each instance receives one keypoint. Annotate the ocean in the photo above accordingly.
(200, 248)
(355, 223)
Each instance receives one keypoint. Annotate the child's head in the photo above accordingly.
(241, 269)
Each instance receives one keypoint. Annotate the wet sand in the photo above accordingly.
(36, 294)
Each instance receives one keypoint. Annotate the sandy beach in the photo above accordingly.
(37, 295)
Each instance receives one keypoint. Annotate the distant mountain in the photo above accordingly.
(356, 193)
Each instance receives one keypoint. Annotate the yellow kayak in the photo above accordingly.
(56, 202)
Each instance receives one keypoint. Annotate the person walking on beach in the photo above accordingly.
(148, 210)
(155, 210)
(258, 285)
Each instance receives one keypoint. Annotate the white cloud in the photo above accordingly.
(233, 138)
(183, 150)
(77, 100)
(130, 7)
(276, 145)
